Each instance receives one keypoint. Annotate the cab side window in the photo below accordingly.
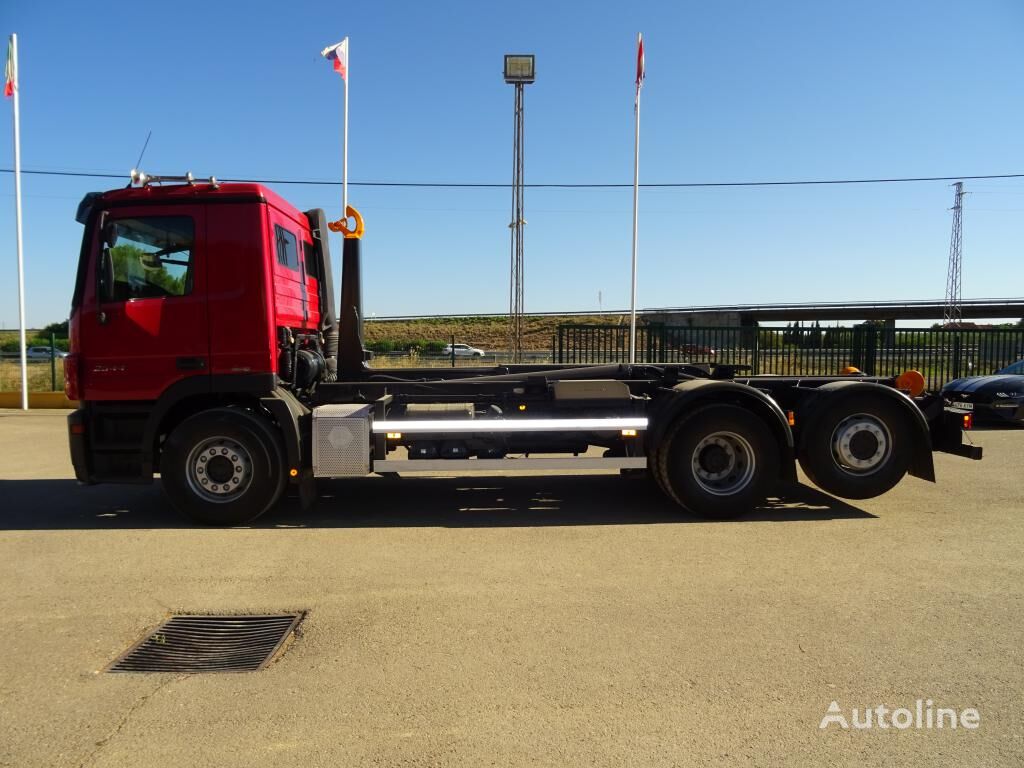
(147, 258)
(287, 248)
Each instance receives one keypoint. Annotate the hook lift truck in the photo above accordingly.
(206, 346)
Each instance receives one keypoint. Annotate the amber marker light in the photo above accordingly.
(911, 381)
(293, 472)
(629, 433)
(394, 435)
(791, 418)
(522, 407)
(968, 421)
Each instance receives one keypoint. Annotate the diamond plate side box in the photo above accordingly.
(341, 440)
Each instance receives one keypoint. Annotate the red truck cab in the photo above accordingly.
(184, 292)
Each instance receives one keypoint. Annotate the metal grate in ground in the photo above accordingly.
(192, 644)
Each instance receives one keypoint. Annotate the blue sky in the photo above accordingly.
(734, 91)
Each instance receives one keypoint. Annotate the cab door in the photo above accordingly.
(144, 320)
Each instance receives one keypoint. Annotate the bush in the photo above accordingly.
(405, 345)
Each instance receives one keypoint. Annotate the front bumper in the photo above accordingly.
(998, 410)
(1006, 410)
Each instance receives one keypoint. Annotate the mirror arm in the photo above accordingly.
(101, 268)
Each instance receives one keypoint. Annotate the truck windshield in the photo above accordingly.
(151, 258)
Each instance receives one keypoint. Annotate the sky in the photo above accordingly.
(735, 91)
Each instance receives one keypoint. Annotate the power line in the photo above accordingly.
(487, 185)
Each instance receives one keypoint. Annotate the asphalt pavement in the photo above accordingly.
(517, 621)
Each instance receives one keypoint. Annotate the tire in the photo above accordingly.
(858, 448)
(230, 450)
(718, 462)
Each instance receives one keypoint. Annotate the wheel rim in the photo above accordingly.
(861, 444)
(219, 469)
(723, 463)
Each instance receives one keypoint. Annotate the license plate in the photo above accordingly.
(963, 406)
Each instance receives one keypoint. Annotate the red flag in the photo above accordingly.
(338, 55)
(10, 75)
(639, 60)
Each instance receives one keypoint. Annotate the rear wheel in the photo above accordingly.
(223, 466)
(719, 462)
(858, 448)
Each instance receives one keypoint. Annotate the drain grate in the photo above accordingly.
(191, 644)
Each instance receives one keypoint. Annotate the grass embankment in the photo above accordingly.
(487, 333)
(38, 375)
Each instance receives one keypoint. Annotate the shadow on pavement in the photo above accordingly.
(402, 502)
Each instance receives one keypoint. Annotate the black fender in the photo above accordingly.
(827, 395)
(293, 418)
(296, 423)
(690, 395)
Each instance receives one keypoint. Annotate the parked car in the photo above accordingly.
(462, 350)
(43, 353)
(999, 397)
(697, 350)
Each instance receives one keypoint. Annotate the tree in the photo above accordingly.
(60, 330)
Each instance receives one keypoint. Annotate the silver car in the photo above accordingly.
(462, 350)
(43, 353)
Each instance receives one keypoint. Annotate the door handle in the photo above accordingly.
(191, 363)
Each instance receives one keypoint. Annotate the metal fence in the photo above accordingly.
(940, 354)
(45, 371)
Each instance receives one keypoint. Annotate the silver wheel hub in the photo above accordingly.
(219, 469)
(861, 443)
(723, 463)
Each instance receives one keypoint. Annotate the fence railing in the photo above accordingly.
(45, 371)
(940, 354)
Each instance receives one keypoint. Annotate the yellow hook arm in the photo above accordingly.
(341, 225)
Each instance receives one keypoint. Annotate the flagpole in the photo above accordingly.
(17, 227)
(344, 160)
(636, 201)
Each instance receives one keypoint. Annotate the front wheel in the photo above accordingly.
(858, 448)
(719, 462)
(223, 467)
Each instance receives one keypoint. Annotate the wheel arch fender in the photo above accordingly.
(690, 395)
(193, 394)
(922, 464)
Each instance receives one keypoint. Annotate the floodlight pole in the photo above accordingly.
(519, 70)
(516, 248)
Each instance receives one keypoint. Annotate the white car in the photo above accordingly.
(43, 353)
(462, 350)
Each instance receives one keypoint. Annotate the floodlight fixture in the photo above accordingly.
(519, 68)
